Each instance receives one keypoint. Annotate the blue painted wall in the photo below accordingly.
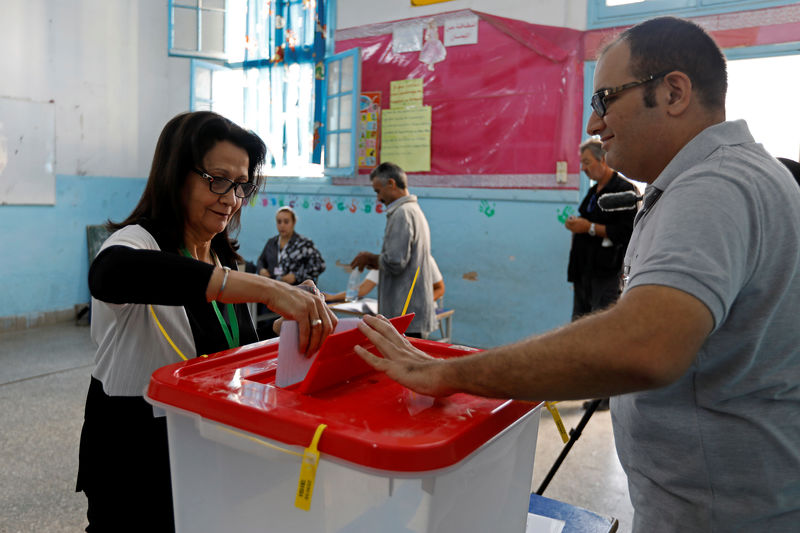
(512, 240)
(44, 264)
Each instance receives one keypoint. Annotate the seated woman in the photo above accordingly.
(288, 256)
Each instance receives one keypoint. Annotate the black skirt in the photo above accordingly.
(124, 464)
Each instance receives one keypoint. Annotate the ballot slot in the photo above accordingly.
(334, 363)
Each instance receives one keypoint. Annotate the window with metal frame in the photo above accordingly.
(271, 77)
(343, 86)
(217, 88)
(197, 28)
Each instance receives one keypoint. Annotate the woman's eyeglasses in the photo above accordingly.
(599, 104)
(220, 185)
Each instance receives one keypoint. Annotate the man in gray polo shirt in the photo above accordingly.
(703, 348)
(406, 249)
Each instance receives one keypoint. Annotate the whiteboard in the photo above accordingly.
(27, 152)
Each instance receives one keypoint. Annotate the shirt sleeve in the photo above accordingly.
(396, 251)
(437, 275)
(121, 274)
(703, 242)
(373, 275)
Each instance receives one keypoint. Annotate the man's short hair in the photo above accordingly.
(387, 171)
(669, 43)
(595, 147)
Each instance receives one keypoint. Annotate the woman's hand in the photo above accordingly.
(289, 278)
(401, 361)
(304, 304)
(264, 272)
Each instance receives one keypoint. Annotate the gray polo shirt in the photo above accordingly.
(719, 449)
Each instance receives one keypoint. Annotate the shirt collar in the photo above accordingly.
(703, 145)
(400, 201)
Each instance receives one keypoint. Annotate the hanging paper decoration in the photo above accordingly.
(278, 57)
(316, 134)
(250, 44)
(322, 29)
(433, 51)
(292, 39)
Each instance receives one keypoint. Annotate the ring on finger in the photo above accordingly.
(316, 322)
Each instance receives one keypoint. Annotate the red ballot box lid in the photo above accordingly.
(371, 420)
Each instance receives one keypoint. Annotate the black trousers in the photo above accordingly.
(124, 465)
(593, 293)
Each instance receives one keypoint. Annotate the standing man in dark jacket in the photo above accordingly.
(599, 238)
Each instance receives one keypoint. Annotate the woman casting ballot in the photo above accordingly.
(165, 287)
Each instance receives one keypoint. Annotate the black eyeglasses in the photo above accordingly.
(599, 104)
(220, 185)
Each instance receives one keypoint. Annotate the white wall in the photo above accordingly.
(105, 66)
(104, 63)
(564, 13)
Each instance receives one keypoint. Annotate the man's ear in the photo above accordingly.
(678, 92)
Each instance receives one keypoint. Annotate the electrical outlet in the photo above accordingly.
(561, 171)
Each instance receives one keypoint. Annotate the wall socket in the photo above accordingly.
(561, 171)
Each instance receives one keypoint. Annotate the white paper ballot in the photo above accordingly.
(293, 365)
(543, 524)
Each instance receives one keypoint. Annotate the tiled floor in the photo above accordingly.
(44, 375)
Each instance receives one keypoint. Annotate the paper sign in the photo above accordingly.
(405, 93)
(406, 138)
(461, 30)
(369, 110)
(407, 38)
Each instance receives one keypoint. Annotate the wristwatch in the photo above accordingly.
(591, 229)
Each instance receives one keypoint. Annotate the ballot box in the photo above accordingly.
(242, 449)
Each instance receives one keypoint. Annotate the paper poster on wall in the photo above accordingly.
(407, 38)
(461, 30)
(369, 110)
(406, 138)
(27, 152)
(405, 93)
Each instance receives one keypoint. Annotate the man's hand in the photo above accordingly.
(365, 259)
(577, 224)
(401, 361)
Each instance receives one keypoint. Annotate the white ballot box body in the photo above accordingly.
(236, 467)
